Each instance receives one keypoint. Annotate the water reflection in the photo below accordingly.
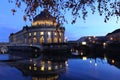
(40, 69)
(75, 66)
(97, 57)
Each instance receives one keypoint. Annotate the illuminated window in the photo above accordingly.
(42, 40)
(49, 33)
(55, 33)
(29, 34)
(41, 33)
(60, 40)
(55, 40)
(49, 40)
(34, 33)
(34, 40)
(111, 38)
(60, 34)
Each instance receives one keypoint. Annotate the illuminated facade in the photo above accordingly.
(44, 29)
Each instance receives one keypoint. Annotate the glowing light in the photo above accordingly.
(96, 64)
(29, 34)
(30, 67)
(90, 61)
(66, 63)
(49, 62)
(113, 61)
(56, 67)
(44, 22)
(35, 68)
(76, 51)
(84, 58)
(41, 33)
(81, 53)
(34, 33)
(34, 64)
(42, 68)
(49, 68)
(84, 43)
(111, 38)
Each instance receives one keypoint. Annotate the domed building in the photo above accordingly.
(44, 29)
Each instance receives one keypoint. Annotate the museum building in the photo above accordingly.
(44, 29)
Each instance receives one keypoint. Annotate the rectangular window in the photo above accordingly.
(41, 33)
(34, 33)
(29, 34)
(49, 33)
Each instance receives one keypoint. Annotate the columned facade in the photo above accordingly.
(42, 30)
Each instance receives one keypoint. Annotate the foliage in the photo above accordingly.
(78, 8)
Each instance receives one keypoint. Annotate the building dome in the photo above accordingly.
(44, 19)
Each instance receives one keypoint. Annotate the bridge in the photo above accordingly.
(3, 47)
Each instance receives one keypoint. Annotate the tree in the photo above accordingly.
(57, 8)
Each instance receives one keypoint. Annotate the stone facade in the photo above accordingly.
(44, 29)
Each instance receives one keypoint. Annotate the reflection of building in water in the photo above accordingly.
(44, 29)
(41, 70)
(114, 61)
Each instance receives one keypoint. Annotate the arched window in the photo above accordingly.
(60, 40)
(42, 39)
(49, 40)
(55, 40)
(34, 40)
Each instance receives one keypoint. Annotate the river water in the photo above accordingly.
(79, 68)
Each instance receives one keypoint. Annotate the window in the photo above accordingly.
(42, 39)
(49, 34)
(49, 40)
(60, 34)
(55, 40)
(41, 33)
(29, 34)
(55, 33)
(60, 40)
(34, 33)
(34, 40)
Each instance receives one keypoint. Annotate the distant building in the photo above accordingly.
(114, 36)
(92, 39)
(44, 29)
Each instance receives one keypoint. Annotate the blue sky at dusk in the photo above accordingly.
(93, 26)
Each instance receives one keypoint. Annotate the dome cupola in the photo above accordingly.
(44, 19)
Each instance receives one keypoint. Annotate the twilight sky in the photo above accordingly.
(93, 26)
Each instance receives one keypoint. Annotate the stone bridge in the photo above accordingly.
(3, 47)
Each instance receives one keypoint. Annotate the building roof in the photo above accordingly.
(115, 31)
(44, 15)
(44, 18)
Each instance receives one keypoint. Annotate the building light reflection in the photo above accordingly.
(84, 58)
(30, 67)
(56, 67)
(90, 61)
(35, 68)
(76, 51)
(42, 68)
(96, 64)
(49, 68)
(81, 53)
